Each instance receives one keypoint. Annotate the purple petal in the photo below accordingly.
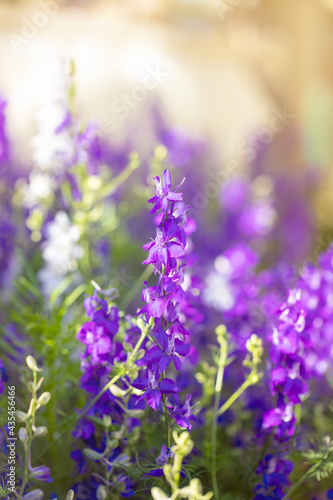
(140, 383)
(153, 398)
(168, 386)
(153, 355)
(165, 361)
(181, 348)
(167, 179)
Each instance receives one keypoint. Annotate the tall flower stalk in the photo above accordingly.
(169, 339)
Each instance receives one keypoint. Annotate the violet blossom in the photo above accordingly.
(164, 302)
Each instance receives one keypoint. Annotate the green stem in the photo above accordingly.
(300, 481)
(93, 401)
(177, 466)
(138, 345)
(27, 444)
(235, 396)
(305, 476)
(166, 420)
(218, 390)
(25, 474)
(81, 414)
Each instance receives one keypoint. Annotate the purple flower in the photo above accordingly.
(164, 301)
(183, 413)
(274, 471)
(164, 250)
(153, 387)
(41, 473)
(161, 460)
(164, 194)
(168, 349)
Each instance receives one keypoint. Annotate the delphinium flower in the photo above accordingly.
(289, 373)
(234, 289)
(61, 251)
(274, 470)
(302, 330)
(169, 342)
(103, 349)
(299, 341)
(8, 223)
(4, 142)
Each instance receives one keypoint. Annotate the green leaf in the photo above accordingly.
(30, 287)
(60, 289)
(70, 299)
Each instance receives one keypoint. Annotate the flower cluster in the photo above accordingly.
(274, 470)
(103, 349)
(98, 335)
(299, 342)
(289, 374)
(169, 342)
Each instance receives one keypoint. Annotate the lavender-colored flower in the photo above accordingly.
(41, 473)
(153, 387)
(182, 414)
(274, 470)
(4, 142)
(164, 301)
(164, 194)
(168, 349)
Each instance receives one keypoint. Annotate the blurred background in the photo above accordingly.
(224, 69)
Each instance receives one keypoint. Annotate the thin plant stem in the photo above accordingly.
(218, 390)
(235, 396)
(81, 414)
(304, 477)
(166, 419)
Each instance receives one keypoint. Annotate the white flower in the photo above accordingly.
(61, 251)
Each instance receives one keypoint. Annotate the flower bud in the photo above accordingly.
(158, 494)
(22, 434)
(31, 386)
(70, 495)
(184, 444)
(31, 362)
(134, 413)
(40, 431)
(44, 398)
(21, 416)
(107, 421)
(91, 454)
(117, 391)
(101, 492)
(33, 495)
(42, 473)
